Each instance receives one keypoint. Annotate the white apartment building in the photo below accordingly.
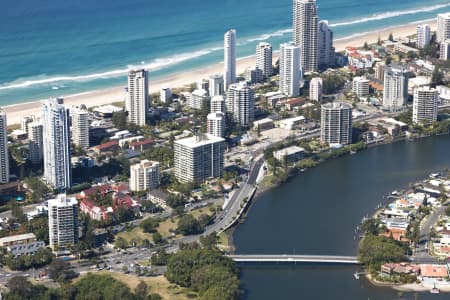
(443, 27)
(289, 155)
(35, 142)
(198, 158)
(316, 89)
(197, 98)
(21, 244)
(336, 123)
(216, 124)
(290, 72)
(360, 87)
(80, 126)
(203, 84)
(4, 157)
(423, 35)
(305, 33)
(229, 57)
(62, 222)
(325, 45)
(425, 105)
(217, 104)
(137, 100)
(264, 59)
(444, 52)
(395, 87)
(379, 71)
(165, 95)
(216, 85)
(56, 144)
(144, 175)
(240, 104)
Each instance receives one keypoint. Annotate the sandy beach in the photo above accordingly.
(16, 112)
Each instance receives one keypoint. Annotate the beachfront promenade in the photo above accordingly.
(269, 258)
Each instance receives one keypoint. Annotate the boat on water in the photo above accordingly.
(434, 290)
(356, 275)
(353, 152)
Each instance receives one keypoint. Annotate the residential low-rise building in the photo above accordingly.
(290, 155)
(292, 123)
(158, 197)
(22, 244)
(263, 124)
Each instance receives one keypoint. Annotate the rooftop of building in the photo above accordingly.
(159, 194)
(199, 140)
(292, 120)
(62, 200)
(19, 237)
(145, 163)
(289, 150)
(336, 105)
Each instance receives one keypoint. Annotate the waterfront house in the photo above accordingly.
(433, 271)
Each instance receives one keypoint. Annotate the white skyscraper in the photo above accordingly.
(4, 158)
(444, 52)
(217, 104)
(443, 27)
(315, 89)
(62, 222)
(216, 85)
(144, 175)
(35, 142)
(336, 123)
(165, 95)
(240, 104)
(423, 35)
(395, 87)
(264, 58)
(325, 45)
(80, 126)
(360, 87)
(198, 158)
(216, 124)
(290, 73)
(305, 32)
(229, 57)
(56, 136)
(425, 105)
(138, 97)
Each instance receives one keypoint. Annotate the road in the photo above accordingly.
(422, 251)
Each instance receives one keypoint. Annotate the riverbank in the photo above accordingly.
(16, 112)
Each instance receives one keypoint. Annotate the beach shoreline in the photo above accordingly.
(16, 112)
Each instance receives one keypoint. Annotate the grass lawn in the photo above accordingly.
(165, 227)
(158, 284)
(135, 234)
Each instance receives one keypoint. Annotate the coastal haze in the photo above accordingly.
(317, 213)
(61, 48)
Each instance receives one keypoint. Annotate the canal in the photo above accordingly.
(317, 212)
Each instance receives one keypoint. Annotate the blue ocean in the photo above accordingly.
(51, 48)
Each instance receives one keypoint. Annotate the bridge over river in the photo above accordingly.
(270, 258)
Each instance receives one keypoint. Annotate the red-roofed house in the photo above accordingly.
(95, 212)
(141, 145)
(101, 189)
(433, 271)
(106, 147)
(125, 201)
(291, 103)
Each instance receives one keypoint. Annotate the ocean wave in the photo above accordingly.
(266, 36)
(155, 65)
(392, 14)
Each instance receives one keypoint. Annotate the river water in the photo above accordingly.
(317, 212)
